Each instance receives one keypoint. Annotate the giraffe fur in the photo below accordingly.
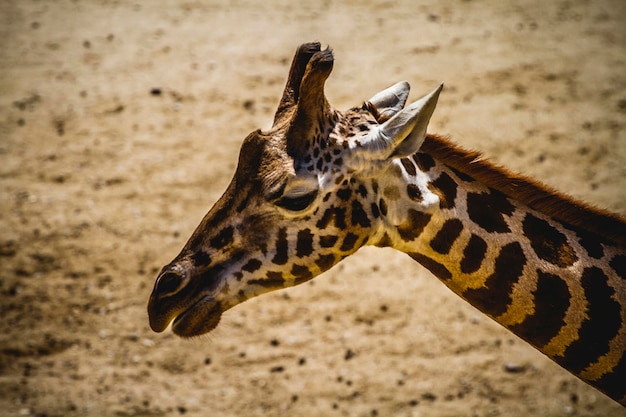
(322, 183)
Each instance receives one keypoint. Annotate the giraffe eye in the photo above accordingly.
(297, 203)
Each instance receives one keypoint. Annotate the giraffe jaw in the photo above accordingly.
(199, 318)
(195, 319)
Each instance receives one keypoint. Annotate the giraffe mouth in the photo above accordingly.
(200, 318)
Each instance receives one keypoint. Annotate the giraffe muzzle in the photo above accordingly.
(195, 319)
(177, 297)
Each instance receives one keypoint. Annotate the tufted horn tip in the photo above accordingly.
(292, 88)
(323, 60)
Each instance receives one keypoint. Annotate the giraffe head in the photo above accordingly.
(303, 197)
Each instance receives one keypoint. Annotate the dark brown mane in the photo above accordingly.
(538, 196)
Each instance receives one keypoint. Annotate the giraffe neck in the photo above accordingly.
(560, 287)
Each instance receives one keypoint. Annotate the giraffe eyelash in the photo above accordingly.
(297, 203)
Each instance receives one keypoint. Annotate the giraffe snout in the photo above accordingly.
(163, 304)
(187, 298)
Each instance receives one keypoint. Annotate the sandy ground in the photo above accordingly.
(102, 181)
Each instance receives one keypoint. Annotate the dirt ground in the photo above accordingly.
(120, 124)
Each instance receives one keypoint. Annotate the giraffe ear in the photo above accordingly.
(391, 100)
(404, 133)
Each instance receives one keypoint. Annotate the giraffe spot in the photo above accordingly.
(223, 238)
(414, 192)
(348, 242)
(301, 273)
(548, 243)
(414, 226)
(358, 215)
(473, 254)
(340, 218)
(325, 262)
(344, 194)
(375, 186)
(282, 248)
(487, 210)
(612, 383)
(200, 259)
(328, 241)
(424, 161)
(590, 243)
(445, 188)
(551, 300)
(392, 193)
(385, 241)
(601, 326)
(408, 166)
(438, 270)
(252, 265)
(495, 296)
(273, 279)
(208, 277)
(446, 236)
(461, 175)
(375, 210)
(618, 263)
(337, 214)
(382, 204)
(304, 244)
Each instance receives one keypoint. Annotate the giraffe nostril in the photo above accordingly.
(169, 283)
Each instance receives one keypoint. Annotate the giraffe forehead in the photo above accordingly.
(355, 123)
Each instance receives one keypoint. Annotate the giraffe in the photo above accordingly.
(322, 183)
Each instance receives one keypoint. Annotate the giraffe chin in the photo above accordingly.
(200, 318)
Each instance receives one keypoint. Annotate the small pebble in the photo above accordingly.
(514, 368)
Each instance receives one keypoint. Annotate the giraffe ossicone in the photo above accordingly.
(321, 183)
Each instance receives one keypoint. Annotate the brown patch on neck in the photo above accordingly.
(538, 196)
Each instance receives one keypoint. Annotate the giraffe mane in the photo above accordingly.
(536, 195)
